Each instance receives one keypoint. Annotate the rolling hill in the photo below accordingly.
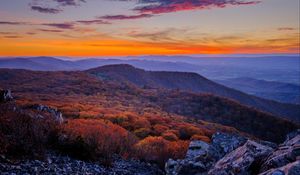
(192, 82)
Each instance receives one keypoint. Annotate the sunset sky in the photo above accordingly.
(139, 27)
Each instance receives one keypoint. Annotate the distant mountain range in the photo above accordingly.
(283, 92)
(270, 68)
(191, 82)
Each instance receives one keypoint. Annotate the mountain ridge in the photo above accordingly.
(192, 82)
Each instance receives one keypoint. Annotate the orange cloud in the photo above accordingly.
(107, 46)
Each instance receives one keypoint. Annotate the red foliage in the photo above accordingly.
(200, 137)
(158, 150)
(96, 139)
(25, 135)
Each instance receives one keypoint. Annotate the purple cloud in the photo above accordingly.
(45, 9)
(50, 30)
(69, 2)
(12, 23)
(60, 25)
(13, 36)
(30, 33)
(167, 6)
(286, 29)
(50, 8)
(125, 17)
(96, 21)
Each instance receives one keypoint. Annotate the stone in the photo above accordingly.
(5, 95)
(201, 156)
(286, 153)
(289, 169)
(54, 112)
(243, 160)
(225, 143)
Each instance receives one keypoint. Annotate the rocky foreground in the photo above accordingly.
(226, 155)
(64, 165)
(236, 155)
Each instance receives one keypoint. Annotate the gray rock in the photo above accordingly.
(54, 112)
(292, 135)
(201, 156)
(225, 143)
(286, 153)
(197, 148)
(5, 95)
(289, 169)
(63, 165)
(199, 159)
(241, 160)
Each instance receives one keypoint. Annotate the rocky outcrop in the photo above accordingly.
(243, 160)
(201, 156)
(54, 112)
(62, 165)
(285, 155)
(5, 95)
(235, 155)
(289, 169)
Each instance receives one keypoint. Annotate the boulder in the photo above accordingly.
(5, 95)
(286, 153)
(225, 143)
(201, 156)
(289, 169)
(198, 160)
(242, 161)
(54, 112)
(230, 154)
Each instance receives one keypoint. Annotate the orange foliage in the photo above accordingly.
(158, 150)
(200, 137)
(168, 135)
(25, 134)
(158, 129)
(96, 139)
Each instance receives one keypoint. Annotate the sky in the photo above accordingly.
(141, 27)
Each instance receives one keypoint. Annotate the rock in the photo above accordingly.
(196, 149)
(225, 143)
(243, 160)
(286, 153)
(269, 144)
(54, 112)
(5, 95)
(291, 135)
(201, 156)
(63, 165)
(289, 169)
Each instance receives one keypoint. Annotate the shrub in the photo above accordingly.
(96, 140)
(186, 132)
(25, 136)
(201, 137)
(158, 150)
(169, 136)
(142, 132)
(158, 129)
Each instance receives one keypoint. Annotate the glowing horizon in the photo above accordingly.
(155, 27)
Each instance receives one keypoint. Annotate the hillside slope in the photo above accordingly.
(78, 94)
(192, 82)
